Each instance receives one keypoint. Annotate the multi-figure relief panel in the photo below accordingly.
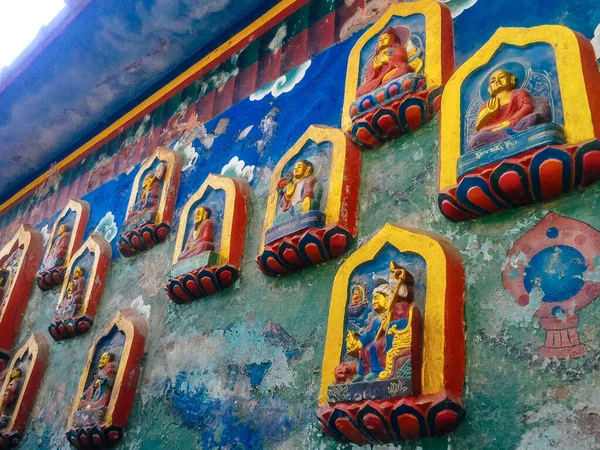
(313, 203)
(551, 269)
(20, 388)
(65, 239)
(520, 121)
(210, 240)
(108, 383)
(394, 360)
(396, 73)
(82, 289)
(152, 203)
(19, 261)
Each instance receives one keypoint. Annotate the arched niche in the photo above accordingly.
(70, 225)
(399, 104)
(150, 210)
(19, 261)
(557, 153)
(208, 252)
(82, 289)
(386, 410)
(296, 239)
(101, 410)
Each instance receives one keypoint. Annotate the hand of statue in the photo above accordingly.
(353, 344)
(503, 125)
(384, 58)
(96, 384)
(377, 62)
(306, 204)
(493, 104)
(290, 188)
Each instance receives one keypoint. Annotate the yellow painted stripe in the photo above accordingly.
(154, 100)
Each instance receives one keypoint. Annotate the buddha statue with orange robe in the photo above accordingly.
(508, 111)
(11, 395)
(58, 252)
(74, 295)
(390, 60)
(201, 238)
(96, 397)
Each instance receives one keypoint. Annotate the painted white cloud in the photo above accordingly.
(107, 228)
(458, 6)
(238, 168)
(596, 41)
(283, 84)
(45, 234)
(138, 305)
(190, 156)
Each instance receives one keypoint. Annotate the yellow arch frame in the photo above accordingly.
(73, 205)
(579, 124)
(123, 322)
(432, 11)
(216, 182)
(435, 314)
(173, 159)
(95, 244)
(317, 134)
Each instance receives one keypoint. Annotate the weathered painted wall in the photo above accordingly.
(241, 369)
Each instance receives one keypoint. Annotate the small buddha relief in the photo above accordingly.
(82, 289)
(73, 300)
(391, 60)
(9, 267)
(396, 73)
(200, 238)
(513, 132)
(95, 398)
(300, 192)
(382, 342)
(65, 239)
(18, 391)
(312, 206)
(210, 239)
(106, 392)
(389, 373)
(151, 204)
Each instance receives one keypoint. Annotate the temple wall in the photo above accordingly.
(242, 368)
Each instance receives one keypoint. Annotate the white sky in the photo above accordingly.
(20, 21)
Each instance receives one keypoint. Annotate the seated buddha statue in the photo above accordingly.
(149, 198)
(11, 395)
(300, 191)
(201, 238)
(97, 395)
(385, 344)
(58, 252)
(4, 273)
(508, 111)
(74, 295)
(391, 59)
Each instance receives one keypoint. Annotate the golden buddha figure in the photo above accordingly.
(301, 187)
(201, 238)
(391, 59)
(508, 110)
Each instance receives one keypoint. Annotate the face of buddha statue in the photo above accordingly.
(200, 215)
(104, 360)
(385, 41)
(16, 373)
(77, 273)
(302, 170)
(61, 230)
(379, 302)
(501, 80)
